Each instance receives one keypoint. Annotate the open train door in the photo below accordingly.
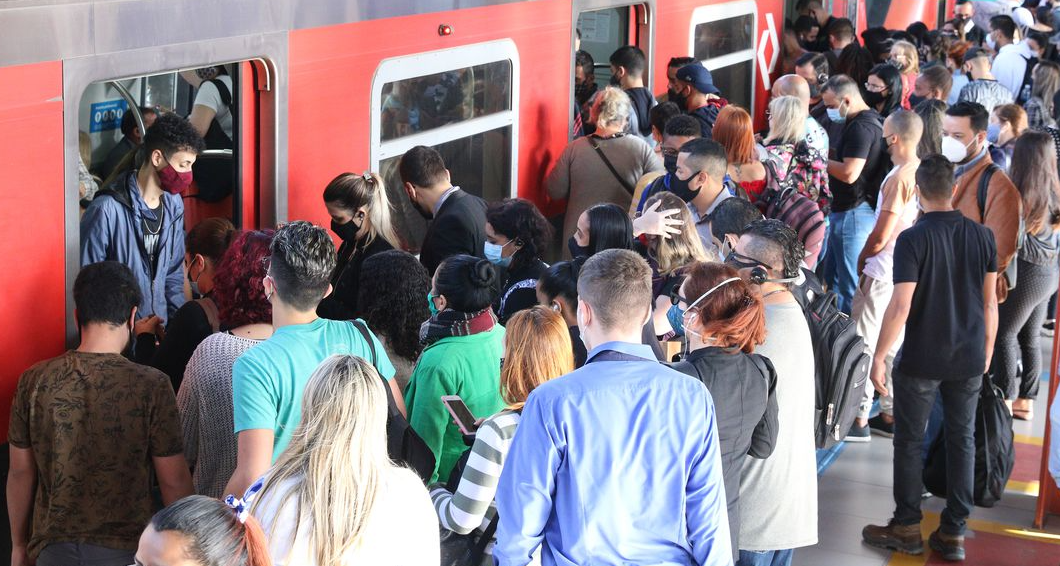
(1048, 494)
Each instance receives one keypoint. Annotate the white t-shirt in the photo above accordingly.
(897, 195)
(402, 531)
(209, 97)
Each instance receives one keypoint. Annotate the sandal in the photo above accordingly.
(1022, 409)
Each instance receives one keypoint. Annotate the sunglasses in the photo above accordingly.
(741, 261)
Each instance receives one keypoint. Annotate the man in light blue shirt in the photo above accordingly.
(616, 462)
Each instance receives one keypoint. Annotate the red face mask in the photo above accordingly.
(173, 181)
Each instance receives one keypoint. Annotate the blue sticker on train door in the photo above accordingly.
(107, 115)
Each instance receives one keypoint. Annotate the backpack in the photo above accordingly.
(785, 202)
(402, 443)
(841, 361)
(215, 173)
(806, 170)
(995, 453)
(1011, 271)
(1024, 93)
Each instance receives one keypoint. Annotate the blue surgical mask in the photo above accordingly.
(835, 115)
(431, 305)
(494, 253)
(676, 317)
(993, 132)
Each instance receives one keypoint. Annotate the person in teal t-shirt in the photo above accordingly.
(268, 380)
(463, 357)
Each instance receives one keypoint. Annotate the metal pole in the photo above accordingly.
(133, 106)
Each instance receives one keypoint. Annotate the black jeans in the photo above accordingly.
(913, 400)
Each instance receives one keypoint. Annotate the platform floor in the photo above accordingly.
(855, 490)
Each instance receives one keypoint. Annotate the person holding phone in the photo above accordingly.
(536, 349)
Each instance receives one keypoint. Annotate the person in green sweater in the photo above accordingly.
(464, 344)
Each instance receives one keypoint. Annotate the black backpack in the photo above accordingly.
(402, 443)
(841, 361)
(995, 453)
(1024, 93)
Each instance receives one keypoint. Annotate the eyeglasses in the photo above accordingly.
(741, 261)
(874, 88)
(675, 296)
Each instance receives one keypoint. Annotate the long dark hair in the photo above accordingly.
(854, 62)
(892, 77)
(215, 536)
(392, 298)
(1033, 171)
(518, 219)
(609, 228)
(931, 112)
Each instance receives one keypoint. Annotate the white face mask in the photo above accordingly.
(954, 150)
(990, 42)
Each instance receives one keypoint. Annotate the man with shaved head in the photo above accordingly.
(794, 85)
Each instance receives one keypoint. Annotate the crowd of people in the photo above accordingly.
(648, 398)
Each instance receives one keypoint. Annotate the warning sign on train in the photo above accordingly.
(107, 115)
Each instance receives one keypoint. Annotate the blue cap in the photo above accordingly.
(699, 77)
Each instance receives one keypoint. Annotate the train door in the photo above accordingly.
(111, 99)
(463, 102)
(601, 27)
(722, 39)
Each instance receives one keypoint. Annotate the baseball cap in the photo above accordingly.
(699, 77)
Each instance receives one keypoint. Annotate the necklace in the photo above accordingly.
(147, 228)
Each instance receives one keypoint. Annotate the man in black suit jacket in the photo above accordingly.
(458, 219)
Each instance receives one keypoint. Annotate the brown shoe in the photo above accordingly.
(1023, 409)
(950, 547)
(900, 538)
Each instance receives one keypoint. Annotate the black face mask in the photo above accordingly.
(584, 91)
(914, 100)
(575, 249)
(680, 187)
(874, 98)
(347, 232)
(678, 99)
(670, 162)
(615, 81)
(815, 91)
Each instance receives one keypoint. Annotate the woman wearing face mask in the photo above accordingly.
(360, 216)
(462, 356)
(883, 89)
(735, 132)
(931, 113)
(557, 289)
(955, 63)
(195, 320)
(516, 236)
(724, 321)
(670, 256)
(1007, 124)
(1043, 90)
(787, 152)
(905, 58)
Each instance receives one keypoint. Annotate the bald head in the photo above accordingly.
(792, 85)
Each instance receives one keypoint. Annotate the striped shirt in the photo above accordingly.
(472, 507)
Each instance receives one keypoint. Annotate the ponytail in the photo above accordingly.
(216, 533)
(351, 191)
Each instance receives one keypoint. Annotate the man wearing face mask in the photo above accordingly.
(854, 173)
(962, 15)
(983, 88)
(679, 130)
(697, 94)
(964, 144)
(795, 85)
(1010, 63)
(458, 219)
(138, 220)
(933, 83)
(698, 180)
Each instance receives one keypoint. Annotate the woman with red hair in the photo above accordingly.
(205, 396)
(724, 320)
(735, 132)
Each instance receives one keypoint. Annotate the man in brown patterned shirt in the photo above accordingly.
(87, 428)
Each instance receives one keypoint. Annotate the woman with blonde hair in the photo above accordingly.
(787, 153)
(669, 257)
(735, 132)
(537, 348)
(1046, 83)
(603, 167)
(360, 217)
(905, 56)
(334, 497)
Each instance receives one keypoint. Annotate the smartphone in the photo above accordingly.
(461, 414)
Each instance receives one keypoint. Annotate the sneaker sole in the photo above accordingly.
(896, 547)
(937, 547)
(882, 433)
(858, 439)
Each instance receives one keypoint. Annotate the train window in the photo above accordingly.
(722, 39)
(604, 31)
(112, 114)
(462, 102)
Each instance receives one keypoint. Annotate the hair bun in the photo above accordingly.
(483, 273)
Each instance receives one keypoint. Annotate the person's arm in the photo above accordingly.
(253, 458)
(200, 118)
(97, 226)
(990, 316)
(764, 437)
(893, 322)
(848, 170)
(705, 509)
(657, 222)
(558, 180)
(426, 413)
(187, 328)
(858, 141)
(399, 399)
(878, 238)
(175, 271)
(1002, 216)
(21, 489)
(528, 485)
(462, 512)
(188, 407)
(174, 479)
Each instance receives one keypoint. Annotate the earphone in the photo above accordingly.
(759, 275)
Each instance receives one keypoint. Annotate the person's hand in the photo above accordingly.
(20, 557)
(149, 325)
(861, 264)
(657, 222)
(878, 375)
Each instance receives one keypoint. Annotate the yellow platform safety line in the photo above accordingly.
(1027, 439)
(1023, 487)
(931, 522)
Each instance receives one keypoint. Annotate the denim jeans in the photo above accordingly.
(765, 557)
(915, 399)
(847, 232)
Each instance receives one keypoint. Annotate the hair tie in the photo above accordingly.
(367, 176)
(242, 506)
